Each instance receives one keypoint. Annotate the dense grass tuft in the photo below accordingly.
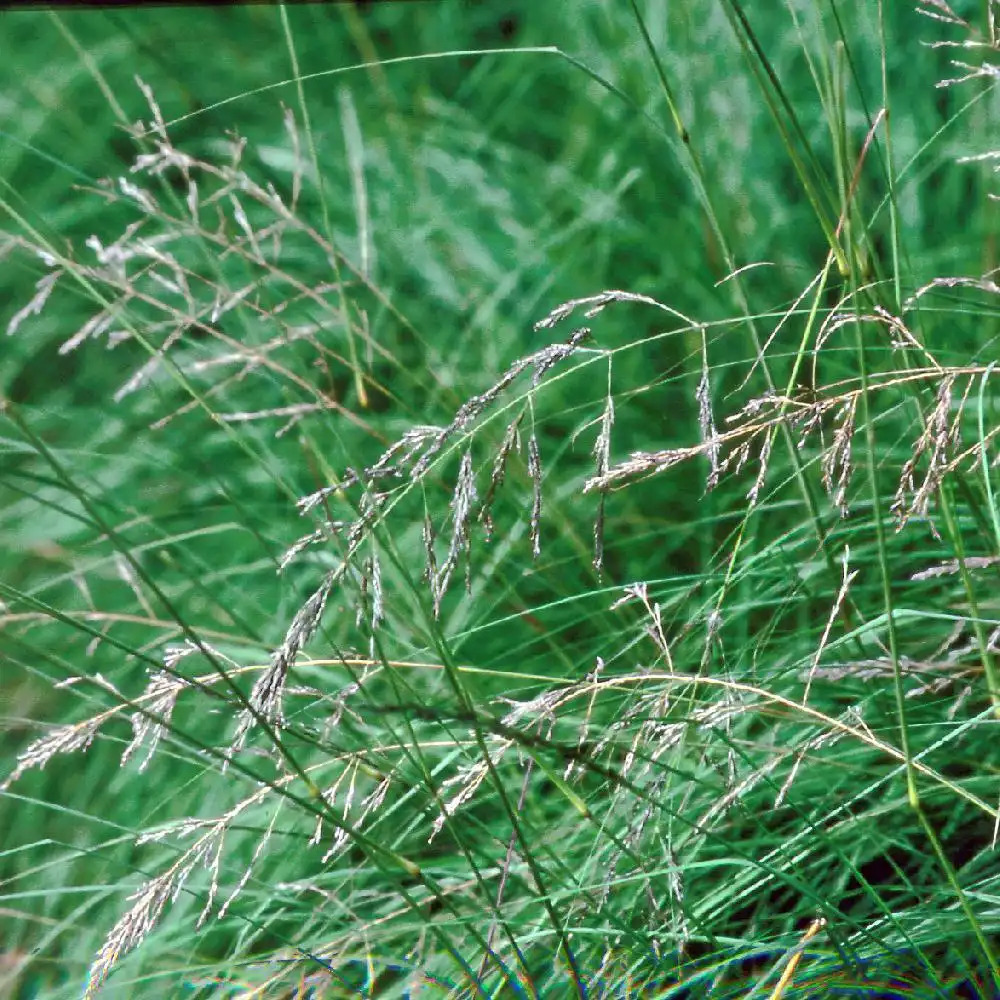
(501, 506)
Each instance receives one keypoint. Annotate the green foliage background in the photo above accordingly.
(514, 156)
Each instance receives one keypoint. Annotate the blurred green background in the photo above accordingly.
(478, 164)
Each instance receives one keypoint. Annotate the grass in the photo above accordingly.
(500, 505)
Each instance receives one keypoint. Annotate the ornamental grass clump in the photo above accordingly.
(439, 711)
